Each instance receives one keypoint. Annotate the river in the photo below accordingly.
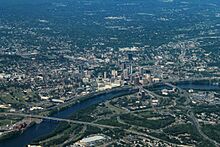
(47, 127)
(194, 86)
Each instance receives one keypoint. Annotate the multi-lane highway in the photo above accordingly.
(58, 119)
(191, 115)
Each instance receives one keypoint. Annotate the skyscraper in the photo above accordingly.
(105, 75)
(125, 73)
(130, 56)
(114, 74)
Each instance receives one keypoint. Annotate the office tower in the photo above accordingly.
(123, 66)
(114, 74)
(125, 73)
(130, 56)
(105, 75)
(131, 69)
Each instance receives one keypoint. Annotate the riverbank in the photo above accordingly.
(79, 99)
(16, 132)
(64, 111)
(212, 85)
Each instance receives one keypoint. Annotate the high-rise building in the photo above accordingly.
(131, 69)
(123, 66)
(105, 75)
(130, 56)
(114, 73)
(125, 73)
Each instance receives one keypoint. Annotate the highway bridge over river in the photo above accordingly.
(58, 119)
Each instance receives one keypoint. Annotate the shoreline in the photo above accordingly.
(67, 105)
(80, 99)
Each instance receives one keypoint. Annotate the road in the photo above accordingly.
(193, 79)
(184, 93)
(192, 116)
(84, 123)
(59, 120)
(198, 127)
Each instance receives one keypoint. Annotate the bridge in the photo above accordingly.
(59, 120)
(172, 86)
(194, 79)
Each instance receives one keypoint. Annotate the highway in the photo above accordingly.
(198, 127)
(191, 115)
(185, 93)
(193, 79)
(82, 123)
(58, 119)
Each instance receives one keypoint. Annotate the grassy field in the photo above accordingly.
(144, 122)
(213, 131)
